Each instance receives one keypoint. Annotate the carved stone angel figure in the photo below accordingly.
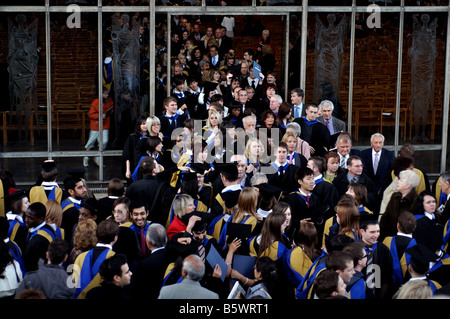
(125, 40)
(328, 51)
(423, 56)
(22, 66)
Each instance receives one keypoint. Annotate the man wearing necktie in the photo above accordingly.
(305, 203)
(377, 161)
(333, 124)
(282, 174)
(344, 150)
(172, 119)
(355, 174)
(214, 53)
(298, 109)
(378, 272)
(132, 239)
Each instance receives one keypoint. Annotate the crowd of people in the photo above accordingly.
(232, 192)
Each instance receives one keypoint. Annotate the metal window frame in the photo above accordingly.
(203, 9)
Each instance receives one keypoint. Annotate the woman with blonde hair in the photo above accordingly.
(291, 140)
(253, 152)
(84, 239)
(183, 204)
(414, 289)
(154, 126)
(53, 217)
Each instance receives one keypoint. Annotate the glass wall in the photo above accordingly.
(46, 113)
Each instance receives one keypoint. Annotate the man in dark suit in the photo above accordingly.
(377, 160)
(214, 55)
(333, 124)
(444, 184)
(298, 108)
(149, 273)
(344, 150)
(355, 174)
(225, 42)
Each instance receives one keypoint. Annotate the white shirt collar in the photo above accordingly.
(49, 185)
(373, 152)
(429, 215)
(37, 227)
(301, 192)
(279, 164)
(233, 187)
(11, 216)
(103, 245)
(156, 249)
(403, 234)
(73, 200)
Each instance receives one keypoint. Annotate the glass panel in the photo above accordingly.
(74, 82)
(423, 76)
(375, 79)
(125, 3)
(22, 3)
(73, 2)
(263, 36)
(295, 37)
(23, 88)
(25, 171)
(327, 61)
(429, 162)
(426, 3)
(125, 72)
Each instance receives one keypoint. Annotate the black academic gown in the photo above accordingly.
(36, 249)
(300, 209)
(143, 189)
(316, 134)
(286, 180)
(327, 193)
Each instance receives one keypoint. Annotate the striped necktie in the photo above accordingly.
(375, 163)
(370, 274)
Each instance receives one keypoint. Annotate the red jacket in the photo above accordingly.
(176, 226)
(93, 115)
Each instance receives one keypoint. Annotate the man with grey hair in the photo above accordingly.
(275, 102)
(377, 161)
(149, 273)
(192, 271)
(444, 185)
(333, 124)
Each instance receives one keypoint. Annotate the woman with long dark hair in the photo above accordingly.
(130, 155)
(298, 260)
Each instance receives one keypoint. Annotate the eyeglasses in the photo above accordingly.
(365, 256)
